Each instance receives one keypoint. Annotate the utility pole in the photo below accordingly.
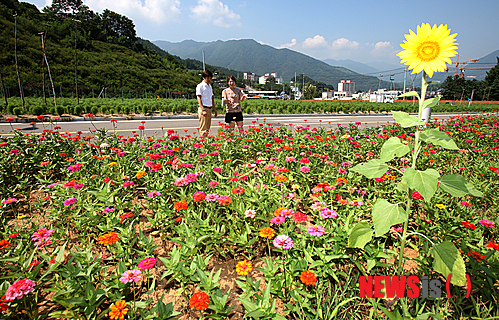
(405, 78)
(15, 55)
(204, 66)
(48, 69)
(43, 74)
(3, 91)
(76, 63)
(472, 91)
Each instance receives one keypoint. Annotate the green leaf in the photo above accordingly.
(402, 185)
(430, 102)
(448, 260)
(438, 137)
(371, 169)
(360, 235)
(391, 148)
(406, 120)
(409, 94)
(457, 186)
(425, 182)
(385, 215)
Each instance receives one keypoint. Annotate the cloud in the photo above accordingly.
(382, 48)
(342, 43)
(288, 45)
(215, 11)
(317, 41)
(159, 11)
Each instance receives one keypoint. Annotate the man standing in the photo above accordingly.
(206, 102)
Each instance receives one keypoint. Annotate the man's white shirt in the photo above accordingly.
(206, 92)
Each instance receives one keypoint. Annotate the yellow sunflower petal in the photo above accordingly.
(429, 49)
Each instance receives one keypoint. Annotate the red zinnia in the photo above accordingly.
(200, 301)
(238, 190)
(468, 225)
(181, 205)
(4, 244)
(493, 245)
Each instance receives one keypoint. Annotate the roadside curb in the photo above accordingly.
(251, 116)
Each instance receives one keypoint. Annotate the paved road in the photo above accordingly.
(153, 127)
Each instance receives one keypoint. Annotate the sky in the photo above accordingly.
(360, 30)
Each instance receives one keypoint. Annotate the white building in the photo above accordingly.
(346, 86)
(249, 76)
(264, 78)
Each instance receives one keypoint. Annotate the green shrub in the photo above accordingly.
(94, 110)
(18, 111)
(104, 109)
(37, 110)
(77, 110)
(52, 110)
(59, 110)
(112, 111)
(119, 109)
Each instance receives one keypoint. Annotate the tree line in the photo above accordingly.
(459, 88)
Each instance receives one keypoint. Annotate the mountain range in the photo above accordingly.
(247, 55)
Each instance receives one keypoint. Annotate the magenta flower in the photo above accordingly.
(487, 223)
(305, 169)
(327, 213)
(19, 288)
(316, 230)
(153, 194)
(147, 263)
(69, 201)
(131, 276)
(277, 220)
(217, 170)
(283, 241)
(9, 200)
(42, 237)
(74, 167)
(191, 177)
(149, 164)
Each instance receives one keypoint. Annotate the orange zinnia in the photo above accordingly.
(108, 238)
(243, 268)
(118, 310)
(238, 190)
(140, 174)
(267, 232)
(281, 178)
(181, 205)
(308, 277)
(199, 300)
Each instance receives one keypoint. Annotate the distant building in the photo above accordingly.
(346, 86)
(264, 78)
(249, 76)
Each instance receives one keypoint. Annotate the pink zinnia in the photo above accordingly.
(147, 263)
(131, 275)
(487, 223)
(191, 177)
(9, 200)
(316, 230)
(327, 213)
(19, 288)
(317, 206)
(180, 182)
(213, 184)
(69, 201)
(277, 220)
(212, 197)
(283, 242)
(217, 170)
(305, 169)
(250, 213)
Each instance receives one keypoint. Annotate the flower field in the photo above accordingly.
(274, 222)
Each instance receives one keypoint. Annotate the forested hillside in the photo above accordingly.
(107, 53)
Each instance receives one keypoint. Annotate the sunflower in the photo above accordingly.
(429, 49)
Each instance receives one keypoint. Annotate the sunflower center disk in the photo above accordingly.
(428, 51)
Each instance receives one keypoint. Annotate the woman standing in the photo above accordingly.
(232, 98)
